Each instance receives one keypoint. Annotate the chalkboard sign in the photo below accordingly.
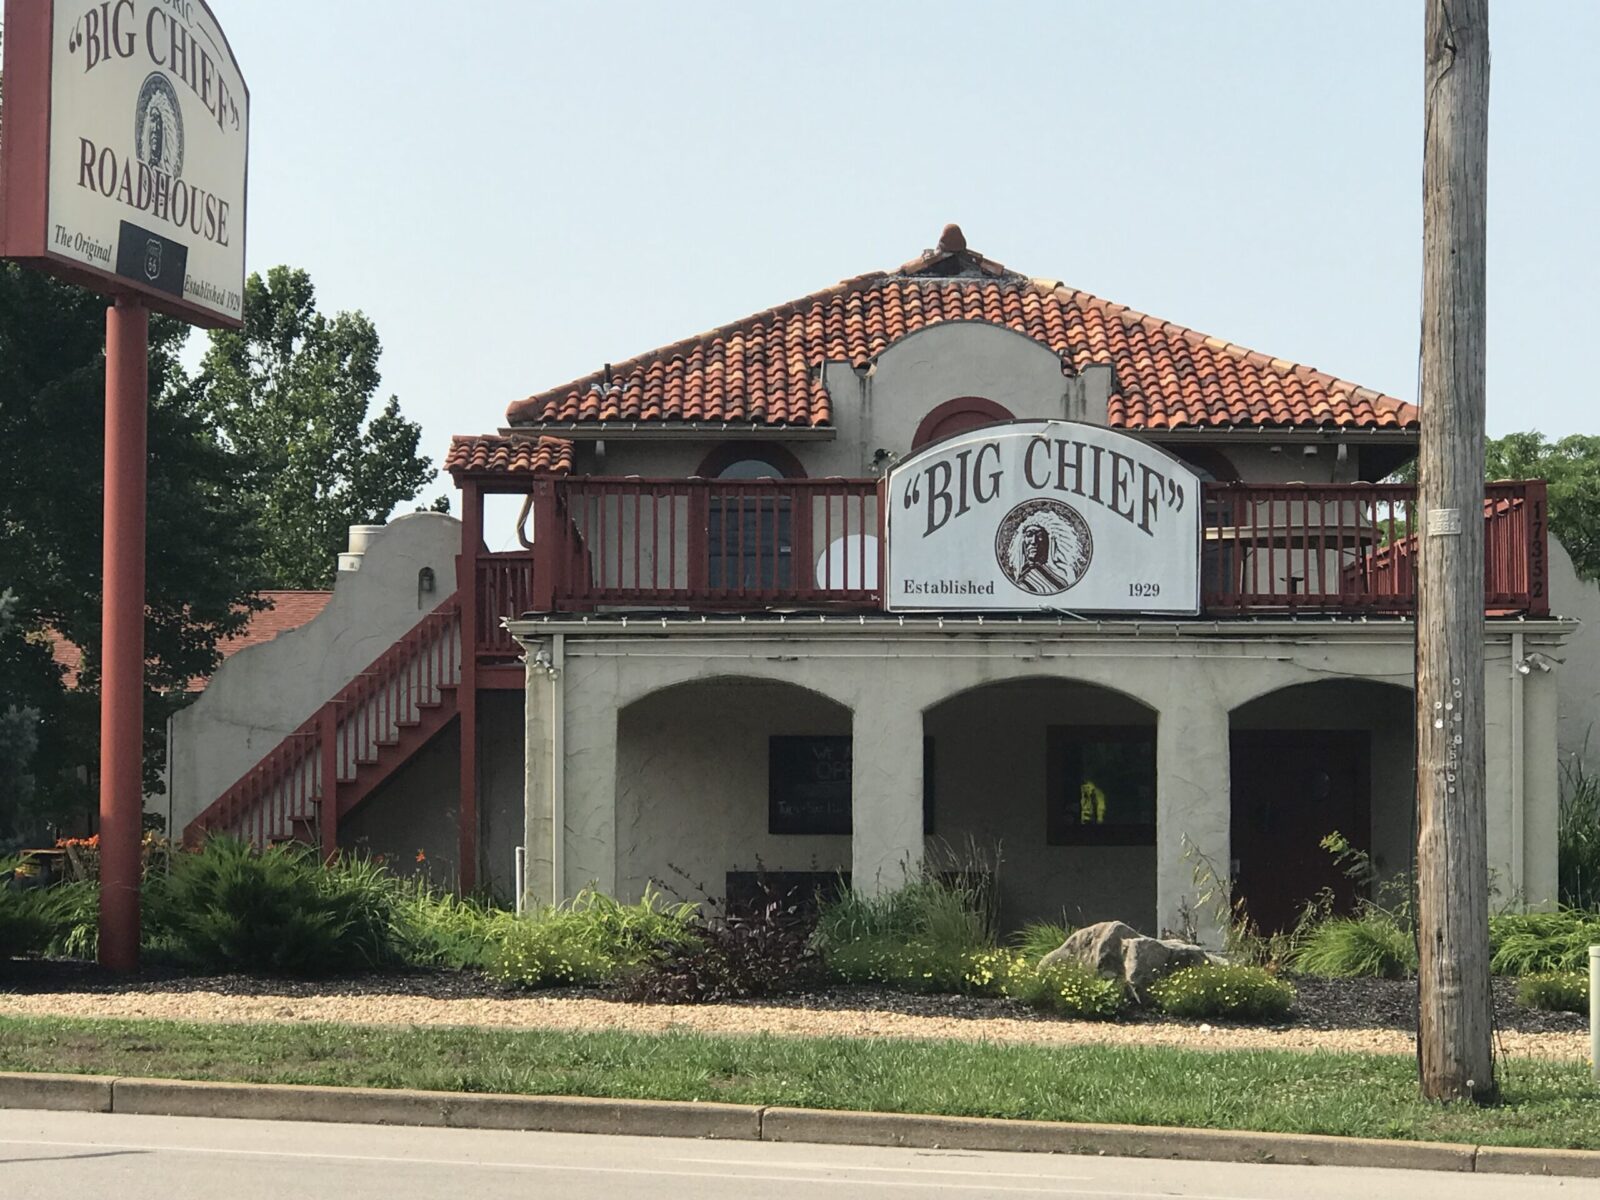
(808, 784)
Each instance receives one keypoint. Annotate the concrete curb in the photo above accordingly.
(56, 1093)
(674, 1118)
(454, 1110)
(1126, 1141)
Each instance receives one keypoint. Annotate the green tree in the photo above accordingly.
(202, 543)
(19, 727)
(1571, 467)
(290, 394)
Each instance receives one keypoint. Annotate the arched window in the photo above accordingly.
(750, 530)
(750, 460)
(958, 416)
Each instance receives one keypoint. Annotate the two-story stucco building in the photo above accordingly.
(941, 564)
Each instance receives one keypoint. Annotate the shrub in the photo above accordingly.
(1578, 837)
(1066, 989)
(440, 929)
(1372, 945)
(919, 937)
(24, 926)
(1232, 991)
(762, 952)
(71, 912)
(905, 966)
(1537, 943)
(929, 909)
(229, 907)
(591, 939)
(62, 919)
(1033, 941)
(1558, 991)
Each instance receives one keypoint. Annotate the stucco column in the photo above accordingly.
(1541, 789)
(538, 882)
(886, 793)
(1193, 809)
(587, 787)
(1502, 742)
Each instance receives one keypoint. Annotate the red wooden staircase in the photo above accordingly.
(354, 742)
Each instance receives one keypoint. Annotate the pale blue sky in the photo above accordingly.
(519, 192)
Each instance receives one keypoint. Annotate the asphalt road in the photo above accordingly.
(72, 1155)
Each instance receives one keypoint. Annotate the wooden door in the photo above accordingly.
(1291, 788)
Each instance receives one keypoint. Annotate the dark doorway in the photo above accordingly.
(1291, 788)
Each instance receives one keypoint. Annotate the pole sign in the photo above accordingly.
(123, 152)
(1044, 516)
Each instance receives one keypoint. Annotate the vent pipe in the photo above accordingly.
(360, 538)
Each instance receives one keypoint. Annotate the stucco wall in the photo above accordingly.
(412, 812)
(990, 761)
(692, 785)
(1578, 676)
(1383, 710)
(416, 808)
(500, 778)
(264, 692)
(887, 675)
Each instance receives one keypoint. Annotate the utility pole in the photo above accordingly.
(1455, 1050)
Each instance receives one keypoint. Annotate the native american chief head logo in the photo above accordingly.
(158, 126)
(1044, 546)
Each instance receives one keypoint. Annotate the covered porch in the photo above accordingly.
(683, 752)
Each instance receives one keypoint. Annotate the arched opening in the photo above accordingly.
(750, 460)
(958, 416)
(1308, 761)
(1208, 462)
(720, 778)
(749, 533)
(1061, 776)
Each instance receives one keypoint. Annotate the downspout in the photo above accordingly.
(171, 837)
(1519, 670)
(558, 768)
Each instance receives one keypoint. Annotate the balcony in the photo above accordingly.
(727, 546)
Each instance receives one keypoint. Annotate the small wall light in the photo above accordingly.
(425, 584)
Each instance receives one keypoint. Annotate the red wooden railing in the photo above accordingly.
(716, 545)
(1349, 548)
(505, 589)
(292, 792)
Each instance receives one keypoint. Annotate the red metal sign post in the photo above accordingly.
(122, 635)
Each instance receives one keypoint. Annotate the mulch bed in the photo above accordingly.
(1323, 1003)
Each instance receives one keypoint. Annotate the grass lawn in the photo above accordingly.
(1546, 1104)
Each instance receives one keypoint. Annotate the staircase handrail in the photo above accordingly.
(276, 765)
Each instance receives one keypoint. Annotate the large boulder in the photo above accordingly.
(1146, 959)
(1098, 947)
(1114, 950)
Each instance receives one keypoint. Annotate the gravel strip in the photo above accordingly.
(1330, 1018)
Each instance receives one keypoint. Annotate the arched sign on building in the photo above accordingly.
(1044, 515)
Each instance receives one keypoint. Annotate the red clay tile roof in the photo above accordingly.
(290, 610)
(765, 369)
(500, 455)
